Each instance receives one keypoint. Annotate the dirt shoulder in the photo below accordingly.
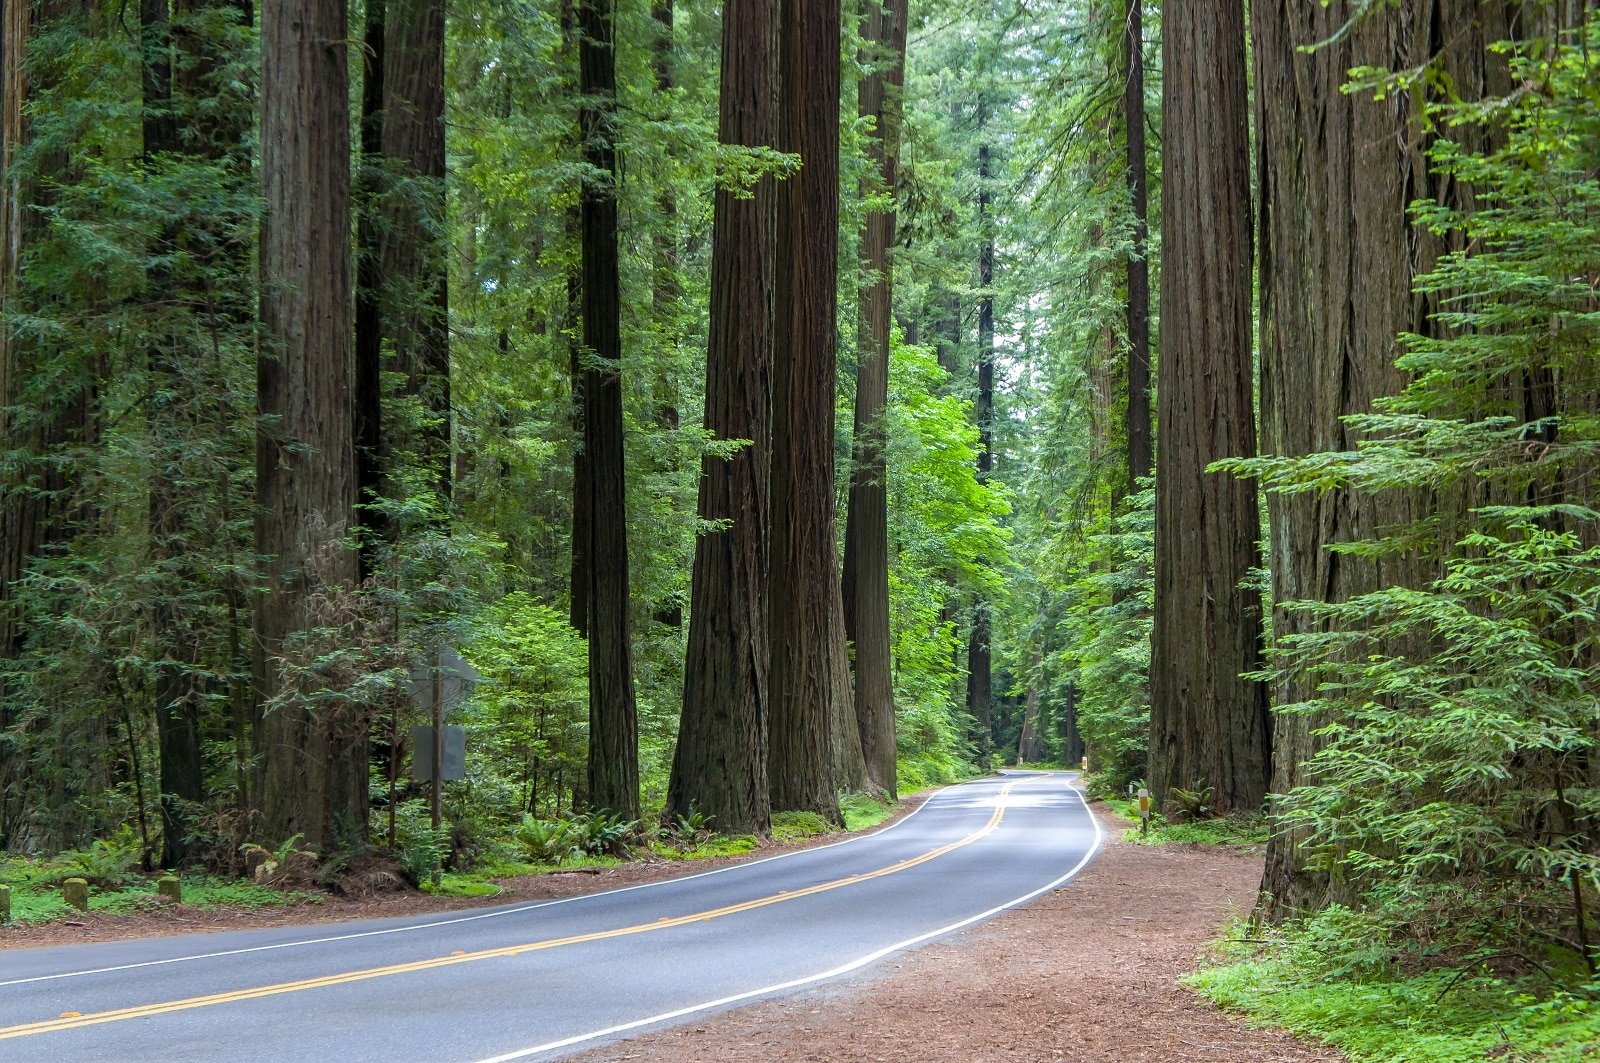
(1088, 972)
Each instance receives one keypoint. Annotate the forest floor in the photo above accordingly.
(1086, 973)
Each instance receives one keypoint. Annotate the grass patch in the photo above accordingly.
(1240, 832)
(468, 885)
(35, 897)
(710, 848)
(1437, 1017)
(798, 826)
(862, 811)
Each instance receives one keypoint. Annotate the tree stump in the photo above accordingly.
(5, 904)
(170, 888)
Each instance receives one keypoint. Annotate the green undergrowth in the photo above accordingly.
(710, 848)
(798, 826)
(1388, 1015)
(538, 847)
(1239, 832)
(863, 811)
(467, 885)
(36, 894)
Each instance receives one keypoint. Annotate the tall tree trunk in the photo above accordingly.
(980, 681)
(866, 540)
(1338, 258)
(1030, 743)
(1071, 737)
(613, 724)
(1140, 440)
(720, 765)
(38, 416)
(369, 284)
(314, 771)
(1206, 722)
(582, 492)
(177, 696)
(582, 495)
(806, 600)
(666, 294)
(415, 244)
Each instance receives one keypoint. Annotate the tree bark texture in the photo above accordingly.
(806, 599)
(369, 282)
(415, 235)
(1206, 722)
(314, 770)
(1338, 258)
(866, 540)
(1071, 738)
(1141, 453)
(613, 722)
(720, 765)
(1030, 743)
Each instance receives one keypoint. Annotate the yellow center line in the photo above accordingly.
(72, 1022)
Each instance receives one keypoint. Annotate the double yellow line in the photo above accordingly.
(73, 1022)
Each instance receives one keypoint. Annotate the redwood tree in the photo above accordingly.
(613, 722)
(1140, 439)
(980, 682)
(415, 244)
(314, 770)
(807, 633)
(1207, 724)
(720, 765)
(1338, 257)
(40, 412)
(866, 542)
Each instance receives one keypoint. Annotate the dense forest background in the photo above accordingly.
(773, 401)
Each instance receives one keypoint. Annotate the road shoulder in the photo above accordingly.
(1086, 972)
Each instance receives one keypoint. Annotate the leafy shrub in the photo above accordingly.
(549, 841)
(424, 854)
(603, 832)
(107, 863)
(1192, 804)
(285, 864)
(692, 828)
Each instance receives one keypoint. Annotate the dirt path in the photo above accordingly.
(1087, 973)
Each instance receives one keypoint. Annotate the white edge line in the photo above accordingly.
(494, 914)
(856, 964)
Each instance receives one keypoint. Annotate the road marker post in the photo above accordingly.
(1144, 810)
(75, 891)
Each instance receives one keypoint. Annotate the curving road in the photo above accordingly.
(533, 981)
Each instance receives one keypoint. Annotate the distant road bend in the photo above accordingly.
(537, 981)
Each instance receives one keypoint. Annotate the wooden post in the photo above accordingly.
(169, 887)
(5, 904)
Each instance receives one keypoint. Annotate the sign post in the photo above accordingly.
(1144, 810)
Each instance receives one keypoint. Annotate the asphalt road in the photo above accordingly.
(536, 981)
